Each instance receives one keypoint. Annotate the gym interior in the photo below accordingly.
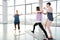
(27, 8)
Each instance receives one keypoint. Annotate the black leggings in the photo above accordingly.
(18, 25)
(41, 26)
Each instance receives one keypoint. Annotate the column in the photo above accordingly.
(40, 31)
(5, 19)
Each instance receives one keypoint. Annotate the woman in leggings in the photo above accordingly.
(16, 20)
(49, 18)
(39, 21)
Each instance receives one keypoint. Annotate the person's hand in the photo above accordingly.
(44, 13)
(21, 14)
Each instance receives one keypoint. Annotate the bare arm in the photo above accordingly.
(45, 9)
(43, 12)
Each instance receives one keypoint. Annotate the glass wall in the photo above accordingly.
(1, 17)
(10, 11)
(58, 11)
(21, 7)
(10, 14)
(29, 9)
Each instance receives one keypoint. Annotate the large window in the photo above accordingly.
(10, 14)
(10, 2)
(18, 2)
(28, 9)
(21, 9)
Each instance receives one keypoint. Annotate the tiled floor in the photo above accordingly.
(7, 32)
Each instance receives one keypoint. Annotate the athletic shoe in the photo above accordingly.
(32, 31)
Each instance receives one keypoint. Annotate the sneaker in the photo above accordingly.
(44, 39)
(32, 31)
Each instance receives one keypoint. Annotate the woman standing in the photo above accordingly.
(16, 20)
(49, 18)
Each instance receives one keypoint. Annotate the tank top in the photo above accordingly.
(16, 18)
(39, 17)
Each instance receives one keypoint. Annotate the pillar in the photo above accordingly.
(5, 19)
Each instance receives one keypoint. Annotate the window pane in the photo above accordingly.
(10, 10)
(31, 1)
(21, 9)
(10, 14)
(58, 6)
(10, 2)
(20, 2)
(34, 7)
(0, 2)
(28, 9)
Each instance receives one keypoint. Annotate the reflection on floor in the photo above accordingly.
(7, 32)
